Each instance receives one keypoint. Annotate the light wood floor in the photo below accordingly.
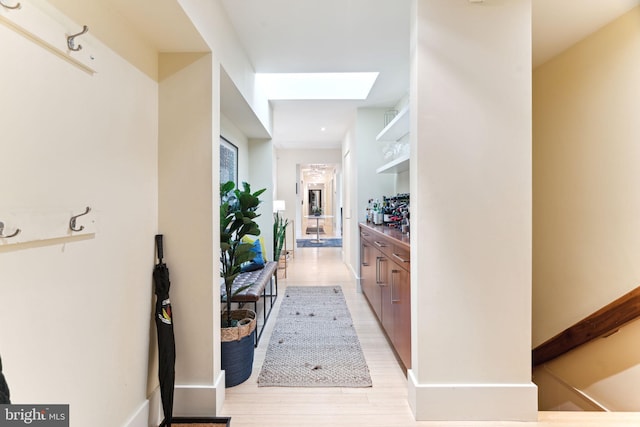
(384, 404)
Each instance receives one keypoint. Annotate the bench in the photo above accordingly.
(257, 281)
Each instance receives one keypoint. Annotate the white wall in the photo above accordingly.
(261, 176)
(471, 211)
(77, 312)
(256, 168)
(213, 24)
(586, 234)
(234, 135)
(203, 394)
(95, 143)
(350, 238)
(586, 210)
(371, 185)
(361, 182)
(402, 184)
(188, 192)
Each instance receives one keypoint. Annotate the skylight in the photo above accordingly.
(300, 86)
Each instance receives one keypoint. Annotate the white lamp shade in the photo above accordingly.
(278, 205)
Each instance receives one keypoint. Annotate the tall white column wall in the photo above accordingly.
(471, 211)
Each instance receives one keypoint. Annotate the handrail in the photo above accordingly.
(603, 322)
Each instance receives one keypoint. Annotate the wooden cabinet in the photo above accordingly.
(401, 309)
(385, 279)
(368, 273)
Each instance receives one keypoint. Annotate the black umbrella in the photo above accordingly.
(166, 340)
(4, 388)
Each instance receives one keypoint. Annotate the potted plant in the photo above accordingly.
(237, 213)
(279, 234)
(317, 211)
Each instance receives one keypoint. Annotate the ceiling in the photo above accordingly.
(344, 36)
(293, 36)
(559, 24)
(371, 35)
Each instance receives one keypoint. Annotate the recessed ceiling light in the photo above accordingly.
(299, 86)
(323, 129)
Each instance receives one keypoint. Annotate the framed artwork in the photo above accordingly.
(228, 161)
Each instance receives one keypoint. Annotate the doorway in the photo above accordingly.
(319, 201)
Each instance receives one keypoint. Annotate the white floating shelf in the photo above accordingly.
(397, 128)
(400, 164)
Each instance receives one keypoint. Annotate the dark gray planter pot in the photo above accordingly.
(237, 360)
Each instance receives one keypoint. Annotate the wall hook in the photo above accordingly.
(72, 221)
(71, 39)
(6, 6)
(15, 233)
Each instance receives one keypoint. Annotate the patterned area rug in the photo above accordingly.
(314, 343)
(324, 243)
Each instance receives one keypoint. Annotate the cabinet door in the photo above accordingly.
(401, 300)
(368, 275)
(383, 278)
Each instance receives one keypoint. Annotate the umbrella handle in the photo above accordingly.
(159, 247)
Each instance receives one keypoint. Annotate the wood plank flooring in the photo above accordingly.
(384, 404)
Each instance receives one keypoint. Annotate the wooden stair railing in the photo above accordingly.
(603, 322)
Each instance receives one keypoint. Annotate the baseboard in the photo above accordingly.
(356, 276)
(155, 408)
(221, 394)
(149, 413)
(188, 401)
(140, 417)
(199, 400)
(472, 402)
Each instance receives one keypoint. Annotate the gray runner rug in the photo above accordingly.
(314, 343)
(323, 243)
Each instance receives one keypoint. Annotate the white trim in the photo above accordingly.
(477, 402)
(199, 400)
(355, 275)
(221, 394)
(155, 408)
(140, 417)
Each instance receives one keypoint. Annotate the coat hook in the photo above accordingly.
(6, 6)
(72, 221)
(71, 39)
(15, 233)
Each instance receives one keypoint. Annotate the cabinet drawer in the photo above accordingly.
(383, 245)
(364, 235)
(401, 256)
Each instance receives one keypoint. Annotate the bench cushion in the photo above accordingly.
(258, 280)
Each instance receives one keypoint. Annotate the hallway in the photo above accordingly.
(384, 404)
(327, 230)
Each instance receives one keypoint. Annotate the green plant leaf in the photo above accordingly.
(238, 208)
